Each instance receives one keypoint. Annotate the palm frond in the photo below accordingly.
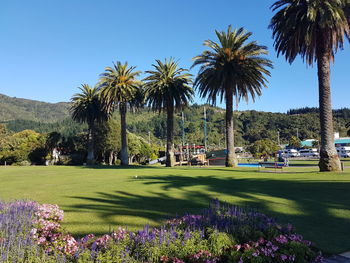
(299, 27)
(119, 84)
(167, 84)
(87, 106)
(231, 64)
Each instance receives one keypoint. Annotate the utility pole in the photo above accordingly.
(205, 129)
(278, 138)
(149, 137)
(298, 133)
(183, 128)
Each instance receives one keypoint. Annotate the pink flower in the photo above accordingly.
(102, 241)
(164, 259)
(41, 240)
(237, 247)
(50, 212)
(246, 246)
(120, 234)
(177, 260)
(86, 239)
(71, 245)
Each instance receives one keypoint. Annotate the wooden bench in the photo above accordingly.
(271, 165)
(275, 167)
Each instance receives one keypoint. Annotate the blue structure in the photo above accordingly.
(307, 143)
(342, 142)
(337, 142)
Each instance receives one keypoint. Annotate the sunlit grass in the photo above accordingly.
(99, 199)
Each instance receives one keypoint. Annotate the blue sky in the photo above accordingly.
(49, 47)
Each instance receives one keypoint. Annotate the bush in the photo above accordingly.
(221, 233)
(22, 163)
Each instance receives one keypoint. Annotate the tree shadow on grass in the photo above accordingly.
(309, 205)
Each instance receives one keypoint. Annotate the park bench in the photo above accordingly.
(271, 165)
(275, 167)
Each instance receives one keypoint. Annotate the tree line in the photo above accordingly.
(233, 67)
(28, 147)
(249, 126)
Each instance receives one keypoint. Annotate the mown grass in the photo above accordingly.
(100, 198)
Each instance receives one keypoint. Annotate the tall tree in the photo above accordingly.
(121, 89)
(167, 89)
(232, 67)
(108, 141)
(87, 107)
(315, 30)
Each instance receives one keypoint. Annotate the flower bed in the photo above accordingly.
(221, 233)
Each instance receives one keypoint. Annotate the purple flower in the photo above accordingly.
(284, 257)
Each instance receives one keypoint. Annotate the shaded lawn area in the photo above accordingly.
(99, 199)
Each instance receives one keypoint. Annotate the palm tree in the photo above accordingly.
(87, 107)
(120, 89)
(314, 30)
(167, 89)
(232, 67)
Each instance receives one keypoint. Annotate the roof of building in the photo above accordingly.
(307, 143)
(344, 140)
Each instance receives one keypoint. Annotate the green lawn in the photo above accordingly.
(98, 199)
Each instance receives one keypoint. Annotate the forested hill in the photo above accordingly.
(250, 126)
(12, 108)
(21, 114)
(344, 112)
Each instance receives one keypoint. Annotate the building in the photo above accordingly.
(338, 141)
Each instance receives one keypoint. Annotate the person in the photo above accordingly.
(280, 156)
(286, 162)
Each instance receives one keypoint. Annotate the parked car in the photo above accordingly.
(343, 152)
(309, 152)
(288, 153)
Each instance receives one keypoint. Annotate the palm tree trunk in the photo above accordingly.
(329, 160)
(231, 160)
(90, 151)
(170, 158)
(124, 151)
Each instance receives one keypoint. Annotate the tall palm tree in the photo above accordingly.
(167, 89)
(87, 107)
(315, 30)
(232, 67)
(120, 89)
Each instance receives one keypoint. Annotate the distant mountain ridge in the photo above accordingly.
(12, 108)
(20, 114)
